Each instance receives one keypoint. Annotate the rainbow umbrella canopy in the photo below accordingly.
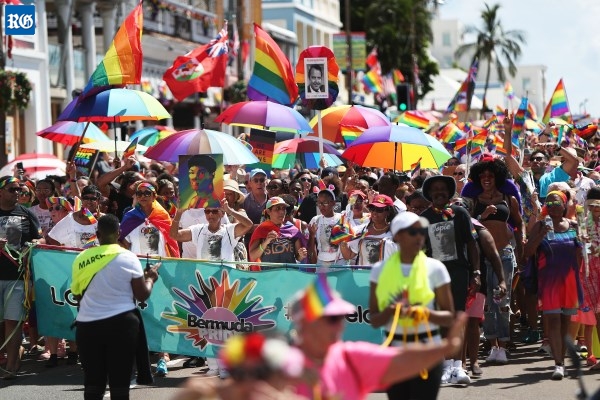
(69, 133)
(264, 114)
(398, 147)
(304, 151)
(343, 124)
(202, 141)
(115, 105)
(150, 135)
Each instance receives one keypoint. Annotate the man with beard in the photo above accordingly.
(451, 239)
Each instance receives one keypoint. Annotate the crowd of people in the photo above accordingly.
(501, 239)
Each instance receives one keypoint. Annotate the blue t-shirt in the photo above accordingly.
(556, 175)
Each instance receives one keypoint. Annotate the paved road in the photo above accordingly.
(527, 376)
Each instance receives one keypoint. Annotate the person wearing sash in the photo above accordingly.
(352, 370)
(420, 287)
(105, 281)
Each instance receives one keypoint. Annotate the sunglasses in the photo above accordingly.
(211, 211)
(14, 190)
(90, 198)
(415, 231)
(25, 194)
(145, 193)
(538, 159)
(458, 173)
(378, 209)
(56, 208)
(273, 187)
(554, 203)
(260, 180)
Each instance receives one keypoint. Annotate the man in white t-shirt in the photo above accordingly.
(214, 240)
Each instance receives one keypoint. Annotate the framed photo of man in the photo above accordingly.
(200, 180)
(315, 70)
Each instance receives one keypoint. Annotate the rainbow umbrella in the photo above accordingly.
(69, 133)
(115, 105)
(149, 136)
(264, 115)
(304, 151)
(343, 124)
(202, 141)
(398, 147)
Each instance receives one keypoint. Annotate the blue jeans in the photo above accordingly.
(497, 315)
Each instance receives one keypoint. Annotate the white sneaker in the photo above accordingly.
(545, 348)
(501, 356)
(559, 372)
(459, 375)
(447, 371)
(493, 354)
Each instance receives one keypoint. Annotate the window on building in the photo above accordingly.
(526, 84)
(446, 39)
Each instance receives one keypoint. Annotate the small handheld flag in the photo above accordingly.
(130, 150)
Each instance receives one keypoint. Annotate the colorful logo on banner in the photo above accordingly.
(200, 180)
(211, 313)
(263, 145)
(85, 159)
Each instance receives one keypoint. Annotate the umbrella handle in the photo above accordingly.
(320, 129)
(76, 148)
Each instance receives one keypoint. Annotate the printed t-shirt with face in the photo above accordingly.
(43, 217)
(71, 233)
(327, 251)
(146, 239)
(193, 216)
(214, 246)
(17, 226)
(447, 240)
(373, 248)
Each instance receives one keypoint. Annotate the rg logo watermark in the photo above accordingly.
(19, 20)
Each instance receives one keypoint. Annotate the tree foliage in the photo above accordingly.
(494, 45)
(401, 31)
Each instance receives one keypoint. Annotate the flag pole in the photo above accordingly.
(76, 148)
(320, 125)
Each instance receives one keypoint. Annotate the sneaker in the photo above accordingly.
(161, 368)
(459, 375)
(447, 371)
(591, 361)
(493, 355)
(559, 373)
(545, 348)
(501, 356)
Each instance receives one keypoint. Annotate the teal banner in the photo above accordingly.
(196, 306)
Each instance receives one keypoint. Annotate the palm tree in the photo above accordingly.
(492, 44)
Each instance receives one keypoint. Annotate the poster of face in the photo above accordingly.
(316, 78)
(200, 180)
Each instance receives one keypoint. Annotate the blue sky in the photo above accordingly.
(560, 34)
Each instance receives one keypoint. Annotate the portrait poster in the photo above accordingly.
(316, 78)
(200, 180)
(263, 145)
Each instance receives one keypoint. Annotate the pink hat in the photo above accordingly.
(319, 300)
(381, 200)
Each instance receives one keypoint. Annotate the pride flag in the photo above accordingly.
(558, 105)
(350, 133)
(531, 113)
(130, 150)
(316, 297)
(273, 77)
(88, 214)
(480, 138)
(372, 81)
(451, 133)
(462, 98)
(413, 119)
(519, 122)
(416, 168)
(508, 91)
(122, 64)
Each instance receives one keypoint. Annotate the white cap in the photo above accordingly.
(406, 219)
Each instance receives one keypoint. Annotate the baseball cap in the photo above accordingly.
(329, 171)
(319, 300)
(256, 171)
(381, 200)
(405, 220)
(273, 201)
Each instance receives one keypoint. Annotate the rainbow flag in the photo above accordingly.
(341, 232)
(476, 151)
(413, 119)
(130, 150)
(272, 77)
(558, 106)
(508, 91)
(480, 138)
(493, 120)
(501, 151)
(451, 133)
(88, 214)
(531, 114)
(499, 111)
(122, 64)
(372, 81)
(397, 76)
(350, 133)
(90, 242)
(460, 146)
(519, 122)
(462, 98)
(316, 297)
(416, 168)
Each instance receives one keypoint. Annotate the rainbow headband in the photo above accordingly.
(60, 201)
(146, 185)
(8, 181)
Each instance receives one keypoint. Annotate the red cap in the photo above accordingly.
(381, 200)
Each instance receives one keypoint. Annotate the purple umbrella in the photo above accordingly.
(264, 115)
